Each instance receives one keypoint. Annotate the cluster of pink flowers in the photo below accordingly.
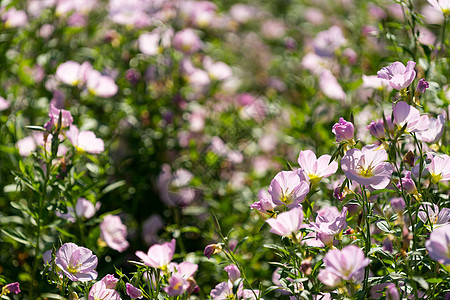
(72, 73)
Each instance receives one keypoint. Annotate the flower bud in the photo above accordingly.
(407, 183)
(376, 129)
(392, 292)
(212, 249)
(398, 205)
(233, 272)
(343, 130)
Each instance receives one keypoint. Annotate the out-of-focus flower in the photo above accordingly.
(217, 70)
(85, 141)
(159, 255)
(329, 224)
(430, 213)
(398, 205)
(174, 187)
(287, 223)
(100, 85)
(11, 288)
(392, 292)
(200, 13)
(439, 168)
(84, 209)
(26, 145)
(14, 18)
(434, 131)
(150, 229)
(346, 264)
(329, 278)
(367, 166)
(328, 41)
(133, 291)
(316, 168)
(287, 188)
(187, 41)
(4, 104)
(438, 245)
(374, 82)
(343, 130)
(149, 42)
(72, 73)
(233, 272)
(77, 263)
(441, 5)
(329, 85)
(398, 76)
(212, 249)
(114, 233)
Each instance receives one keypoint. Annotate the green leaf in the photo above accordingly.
(421, 281)
(240, 244)
(17, 236)
(113, 186)
(384, 226)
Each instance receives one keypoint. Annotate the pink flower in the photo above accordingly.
(346, 264)
(66, 117)
(377, 129)
(439, 168)
(398, 205)
(434, 131)
(212, 249)
(158, 256)
(264, 204)
(133, 292)
(110, 281)
(330, 86)
(4, 104)
(84, 209)
(99, 291)
(181, 279)
(114, 233)
(72, 73)
(398, 76)
(14, 18)
(407, 183)
(149, 42)
(329, 224)
(440, 5)
(327, 41)
(187, 41)
(233, 272)
(11, 288)
(217, 70)
(26, 145)
(367, 166)
(287, 188)
(374, 82)
(343, 130)
(430, 213)
(406, 114)
(287, 223)
(315, 168)
(101, 86)
(392, 292)
(438, 245)
(77, 263)
(85, 141)
(174, 186)
(222, 291)
(329, 278)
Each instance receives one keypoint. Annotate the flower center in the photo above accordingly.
(286, 197)
(73, 269)
(365, 172)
